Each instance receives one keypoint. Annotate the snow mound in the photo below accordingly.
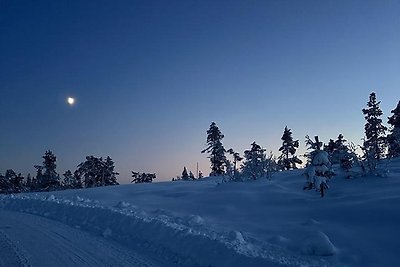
(318, 244)
(122, 205)
(195, 220)
(107, 233)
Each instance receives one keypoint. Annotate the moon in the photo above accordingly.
(71, 101)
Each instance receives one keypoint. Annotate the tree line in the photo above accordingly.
(378, 143)
(93, 172)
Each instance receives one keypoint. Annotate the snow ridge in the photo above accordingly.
(186, 241)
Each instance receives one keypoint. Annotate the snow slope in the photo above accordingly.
(261, 223)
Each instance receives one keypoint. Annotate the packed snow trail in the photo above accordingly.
(29, 240)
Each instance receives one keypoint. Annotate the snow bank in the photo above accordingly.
(184, 241)
(259, 223)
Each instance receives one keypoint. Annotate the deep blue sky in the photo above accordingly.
(150, 76)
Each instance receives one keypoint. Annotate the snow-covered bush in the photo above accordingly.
(319, 170)
(256, 164)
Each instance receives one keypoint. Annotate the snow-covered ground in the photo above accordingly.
(205, 223)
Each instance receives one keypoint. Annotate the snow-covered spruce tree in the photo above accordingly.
(319, 169)
(229, 170)
(313, 147)
(185, 175)
(78, 180)
(69, 180)
(231, 166)
(255, 163)
(216, 150)
(11, 182)
(28, 183)
(288, 159)
(4, 185)
(96, 172)
(39, 173)
(139, 177)
(7, 182)
(330, 149)
(191, 176)
(110, 173)
(49, 179)
(338, 150)
(90, 171)
(345, 153)
(341, 149)
(374, 142)
(394, 137)
(271, 166)
(17, 183)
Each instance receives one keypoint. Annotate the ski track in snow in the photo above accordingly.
(171, 240)
(11, 256)
(38, 241)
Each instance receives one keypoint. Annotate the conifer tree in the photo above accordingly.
(191, 176)
(236, 158)
(313, 146)
(330, 148)
(229, 169)
(49, 179)
(77, 179)
(215, 149)
(17, 183)
(4, 185)
(142, 177)
(96, 172)
(69, 180)
(110, 173)
(288, 159)
(255, 163)
(319, 168)
(338, 150)
(185, 175)
(28, 183)
(394, 136)
(9, 180)
(374, 142)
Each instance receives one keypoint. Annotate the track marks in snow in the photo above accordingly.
(175, 241)
(50, 243)
(10, 254)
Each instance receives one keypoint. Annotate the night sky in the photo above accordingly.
(150, 76)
